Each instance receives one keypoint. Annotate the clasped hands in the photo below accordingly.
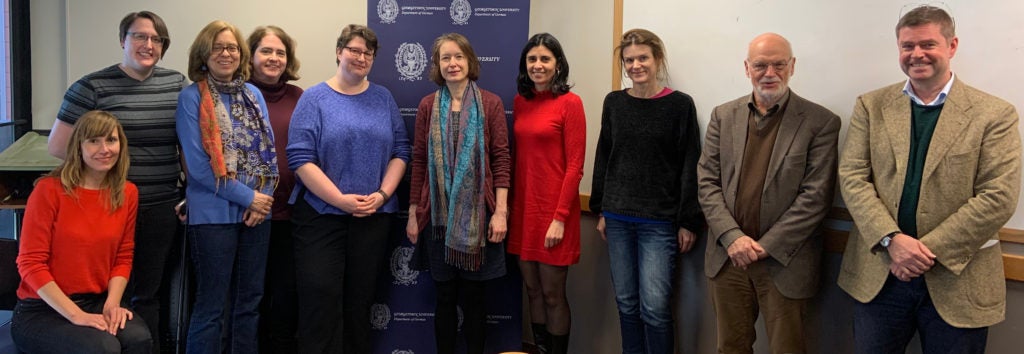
(258, 209)
(360, 205)
(745, 251)
(910, 258)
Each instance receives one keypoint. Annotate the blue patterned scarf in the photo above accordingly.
(246, 143)
(456, 165)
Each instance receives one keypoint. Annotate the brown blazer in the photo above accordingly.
(798, 189)
(969, 189)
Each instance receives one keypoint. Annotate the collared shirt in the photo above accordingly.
(908, 90)
(775, 110)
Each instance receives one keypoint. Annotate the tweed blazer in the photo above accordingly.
(798, 190)
(969, 189)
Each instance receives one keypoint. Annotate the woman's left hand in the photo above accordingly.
(555, 232)
(498, 228)
(116, 317)
(252, 218)
(686, 239)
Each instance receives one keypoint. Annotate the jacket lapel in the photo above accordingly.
(896, 116)
(739, 137)
(788, 127)
(952, 123)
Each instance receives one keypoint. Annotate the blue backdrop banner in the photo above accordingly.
(403, 319)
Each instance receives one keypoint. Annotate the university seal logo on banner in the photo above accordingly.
(400, 266)
(380, 315)
(410, 60)
(401, 351)
(460, 11)
(388, 11)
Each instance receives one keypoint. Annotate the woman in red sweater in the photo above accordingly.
(76, 250)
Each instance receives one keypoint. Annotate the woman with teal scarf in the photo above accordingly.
(460, 180)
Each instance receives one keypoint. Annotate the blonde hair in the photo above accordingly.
(94, 124)
(640, 36)
(202, 47)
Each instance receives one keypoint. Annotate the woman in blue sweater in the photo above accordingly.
(347, 145)
(645, 191)
(228, 145)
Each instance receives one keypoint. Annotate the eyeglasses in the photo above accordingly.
(220, 48)
(779, 66)
(356, 53)
(142, 37)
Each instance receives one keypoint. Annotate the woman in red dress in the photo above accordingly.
(550, 135)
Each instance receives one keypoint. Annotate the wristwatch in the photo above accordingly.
(887, 240)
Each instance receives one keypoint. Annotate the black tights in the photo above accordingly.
(446, 318)
(545, 288)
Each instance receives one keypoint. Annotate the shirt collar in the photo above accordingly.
(907, 90)
(752, 104)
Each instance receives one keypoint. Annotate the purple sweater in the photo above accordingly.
(350, 137)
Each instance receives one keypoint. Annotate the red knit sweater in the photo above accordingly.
(75, 241)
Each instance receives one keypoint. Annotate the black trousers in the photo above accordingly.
(338, 259)
(156, 229)
(38, 328)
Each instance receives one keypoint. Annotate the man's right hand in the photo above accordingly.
(910, 257)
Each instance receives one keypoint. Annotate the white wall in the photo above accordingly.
(843, 49)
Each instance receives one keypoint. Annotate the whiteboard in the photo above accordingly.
(843, 48)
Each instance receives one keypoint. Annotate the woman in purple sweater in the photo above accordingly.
(347, 145)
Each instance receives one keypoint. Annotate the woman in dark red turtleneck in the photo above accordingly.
(273, 65)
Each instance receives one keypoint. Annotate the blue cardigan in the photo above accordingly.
(211, 202)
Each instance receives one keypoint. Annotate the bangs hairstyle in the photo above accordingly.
(353, 31)
(640, 36)
(472, 72)
(202, 47)
(925, 14)
(559, 83)
(291, 68)
(95, 124)
(158, 25)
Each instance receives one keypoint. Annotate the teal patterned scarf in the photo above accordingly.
(456, 165)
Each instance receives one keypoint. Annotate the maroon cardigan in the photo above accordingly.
(498, 157)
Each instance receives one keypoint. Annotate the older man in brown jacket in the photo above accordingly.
(930, 172)
(765, 182)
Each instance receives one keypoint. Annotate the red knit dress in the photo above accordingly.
(550, 143)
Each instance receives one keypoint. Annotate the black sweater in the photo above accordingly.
(646, 161)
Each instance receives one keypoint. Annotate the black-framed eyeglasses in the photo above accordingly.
(142, 37)
(356, 53)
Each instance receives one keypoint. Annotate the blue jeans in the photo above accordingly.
(643, 258)
(38, 328)
(230, 261)
(888, 322)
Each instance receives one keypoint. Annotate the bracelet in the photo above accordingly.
(383, 194)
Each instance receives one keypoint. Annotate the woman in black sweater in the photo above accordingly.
(645, 191)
